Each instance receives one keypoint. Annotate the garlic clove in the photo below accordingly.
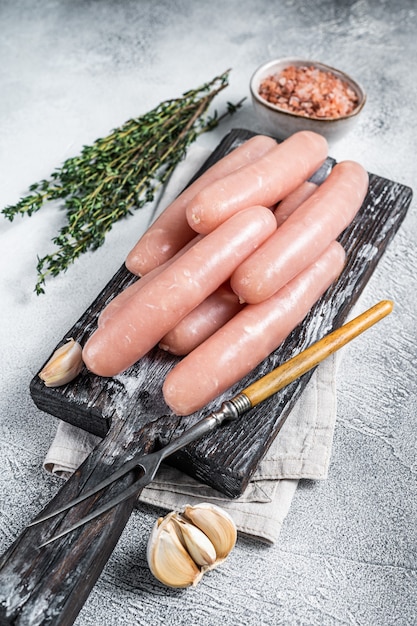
(64, 365)
(196, 542)
(182, 547)
(168, 559)
(216, 523)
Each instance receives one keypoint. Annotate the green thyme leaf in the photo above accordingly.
(118, 174)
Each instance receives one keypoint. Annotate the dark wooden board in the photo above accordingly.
(227, 458)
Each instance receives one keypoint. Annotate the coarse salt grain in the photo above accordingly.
(309, 92)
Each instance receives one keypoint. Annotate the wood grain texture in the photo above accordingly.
(49, 585)
(226, 460)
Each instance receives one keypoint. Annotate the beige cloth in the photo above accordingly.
(301, 450)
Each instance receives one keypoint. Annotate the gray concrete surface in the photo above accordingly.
(71, 71)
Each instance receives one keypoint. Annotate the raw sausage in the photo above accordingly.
(265, 181)
(242, 343)
(202, 322)
(156, 308)
(121, 299)
(291, 202)
(223, 304)
(171, 231)
(287, 206)
(180, 338)
(304, 235)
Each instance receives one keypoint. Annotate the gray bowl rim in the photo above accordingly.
(264, 67)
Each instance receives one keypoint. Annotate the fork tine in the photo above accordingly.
(121, 497)
(127, 467)
(149, 462)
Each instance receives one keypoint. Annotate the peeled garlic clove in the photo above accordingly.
(216, 524)
(168, 559)
(64, 365)
(197, 543)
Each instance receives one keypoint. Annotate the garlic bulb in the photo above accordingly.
(183, 546)
(64, 365)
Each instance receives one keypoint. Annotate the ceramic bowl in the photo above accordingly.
(282, 123)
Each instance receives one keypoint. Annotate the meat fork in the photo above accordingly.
(230, 410)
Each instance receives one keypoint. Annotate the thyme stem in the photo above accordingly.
(118, 173)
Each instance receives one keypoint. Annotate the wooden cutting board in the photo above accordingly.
(227, 458)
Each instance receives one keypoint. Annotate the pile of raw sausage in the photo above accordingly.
(231, 267)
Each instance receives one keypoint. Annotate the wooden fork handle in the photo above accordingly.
(312, 356)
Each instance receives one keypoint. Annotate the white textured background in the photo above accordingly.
(72, 71)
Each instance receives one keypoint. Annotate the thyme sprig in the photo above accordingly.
(118, 174)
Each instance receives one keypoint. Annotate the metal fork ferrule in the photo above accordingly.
(232, 409)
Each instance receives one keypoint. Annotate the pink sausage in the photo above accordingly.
(156, 308)
(202, 322)
(171, 231)
(241, 344)
(186, 337)
(304, 235)
(265, 181)
(290, 203)
(223, 304)
(121, 299)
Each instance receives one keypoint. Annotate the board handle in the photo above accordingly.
(49, 585)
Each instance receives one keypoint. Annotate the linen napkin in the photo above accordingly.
(302, 448)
